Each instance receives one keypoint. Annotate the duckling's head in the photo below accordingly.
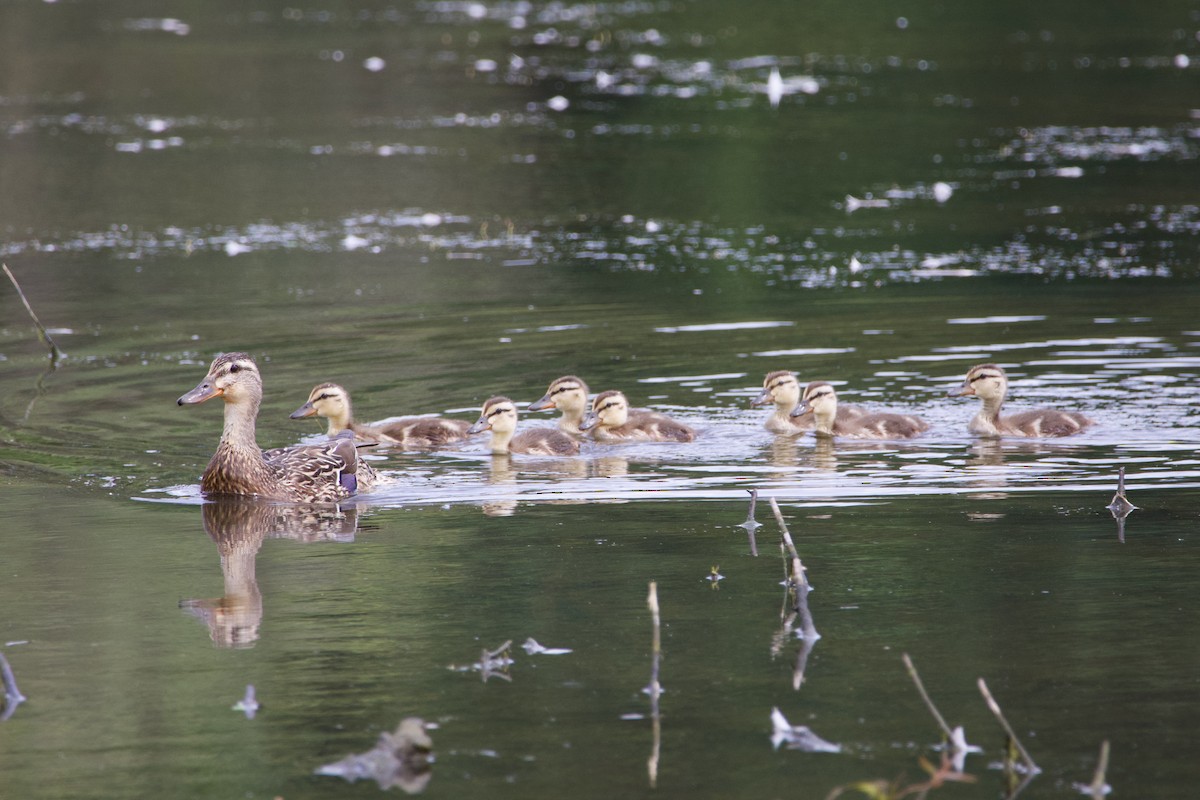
(330, 401)
(986, 381)
(567, 394)
(499, 415)
(609, 410)
(233, 377)
(780, 388)
(819, 399)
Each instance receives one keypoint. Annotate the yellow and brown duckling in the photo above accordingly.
(989, 383)
(820, 401)
(317, 473)
(569, 395)
(611, 420)
(332, 402)
(782, 389)
(499, 416)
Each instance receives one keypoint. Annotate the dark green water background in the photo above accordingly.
(516, 191)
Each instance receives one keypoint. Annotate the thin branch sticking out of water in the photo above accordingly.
(956, 739)
(1120, 505)
(751, 524)
(55, 353)
(1098, 788)
(655, 687)
(12, 695)
(1030, 765)
(797, 582)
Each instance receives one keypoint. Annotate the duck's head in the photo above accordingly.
(987, 381)
(567, 393)
(326, 400)
(499, 414)
(232, 376)
(780, 388)
(819, 399)
(609, 410)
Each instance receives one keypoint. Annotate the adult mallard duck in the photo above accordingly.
(782, 389)
(611, 420)
(989, 383)
(820, 401)
(569, 395)
(413, 433)
(317, 473)
(499, 415)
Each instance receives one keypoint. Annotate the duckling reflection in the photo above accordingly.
(505, 471)
(239, 526)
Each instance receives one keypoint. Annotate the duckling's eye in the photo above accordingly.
(235, 368)
(981, 377)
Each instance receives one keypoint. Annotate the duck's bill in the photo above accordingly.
(800, 410)
(763, 398)
(205, 390)
(541, 405)
(303, 411)
(589, 422)
(961, 391)
(482, 424)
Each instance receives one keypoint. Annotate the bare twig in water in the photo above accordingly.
(655, 687)
(1098, 787)
(1030, 765)
(1120, 505)
(956, 739)
(797, 581)
(751, 524)
(12, 695)
(55, 352)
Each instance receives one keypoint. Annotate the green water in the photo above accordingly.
(435, 228)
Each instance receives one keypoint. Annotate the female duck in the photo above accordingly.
(820, 400)
(569, 395)
(318, 473)
(499, 415)
(782, 389)
(610, 420)
(412, 433)
(989, 383)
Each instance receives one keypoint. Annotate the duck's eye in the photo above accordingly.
(235, 368)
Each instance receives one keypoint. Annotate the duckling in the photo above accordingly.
(820, 400)
(782, 389)
(569, 395)
(989, 383)
(317, 473)
(611, 420)
(413, 433)
(499, 415)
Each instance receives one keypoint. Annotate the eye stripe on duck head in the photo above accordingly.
(817, 390)
(498, 405)
(607, 400)
(780, 378)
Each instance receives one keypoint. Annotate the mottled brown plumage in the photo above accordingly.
(783, 390)
(569, 395)
(317, 473)
(332, 402)
(989, 383)
(499, 415)
(611, 420)
(820, 402)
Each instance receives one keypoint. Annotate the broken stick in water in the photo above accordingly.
(655, 688)
(751, 524)
(1030, 765)
(55, 353)
(956, 739)
(12, 695)
(1120, 504)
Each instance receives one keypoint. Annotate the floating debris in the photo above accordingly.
(798, 737)
(714, 575)
(1120, 505)
(248, 704)
(403, 758)
(1097, 789)
(532, 647)
(855, 203)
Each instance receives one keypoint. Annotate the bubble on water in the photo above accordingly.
(1182, 61)
(374, 64)
(942, 191)
(558, 103)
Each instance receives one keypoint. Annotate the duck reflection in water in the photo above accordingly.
(239, 526)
